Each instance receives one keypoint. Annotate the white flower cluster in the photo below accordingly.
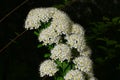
(92, 78)
(77, 29)
(49, 36)
(61, 22)
(74, 36)
(48, 67)
(76, 41)
(74, 75)
(83, 63)
(36, 15)
(86, 51)
(61, 52)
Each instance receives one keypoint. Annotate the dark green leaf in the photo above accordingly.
(103, 48)
(47, 55)
(60, 78)
(111, 42)
(64, 65)
(39, 46)
(117, 46)
(36, 33)
(58, 63)
(67, 69)
(100, 60)
(106, 18)
(116, 20)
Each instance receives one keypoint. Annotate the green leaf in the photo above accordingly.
(106, 18)
(67, 69)
(103, 48)
(111, 42)
(73, 66)
(108, 41)
(58, 63)
(64, 65)
(116, 20)
(45, 24)
(50, 46)
(117, 46)
(101, 39)
(39, 46)
(66, 1)
(36, 33)
(47, 55)
(99, 60)
(60, 78)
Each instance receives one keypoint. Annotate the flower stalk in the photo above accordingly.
(69, 57)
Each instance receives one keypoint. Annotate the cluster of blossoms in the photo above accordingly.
(61, 52)
(74, 75)
(48, 67)
(36, 15)
(74, 36)
(83, 63)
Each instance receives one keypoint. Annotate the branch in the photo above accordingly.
(5, 18)
(1, 50)
(7, 45)
(13, 10)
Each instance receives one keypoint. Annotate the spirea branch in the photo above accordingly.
(69, 57)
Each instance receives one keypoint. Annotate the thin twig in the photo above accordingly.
(5, 18)
(12, 41)
(25, 30)
(13, 10)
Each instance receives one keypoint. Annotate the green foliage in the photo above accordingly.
(47, 55)
(43, 26)
(39, 45)
(63, 4)
(36, 33)
(62, 40)
(59, 78)
(103, 36)
(66, 1)
(63, 67)
(116, 20)
(50, 46)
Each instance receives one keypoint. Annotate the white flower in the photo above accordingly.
(86, 52)
(76, 41)
(82, 46)
(48, 67)
(61, 52)
(61, 22)
(83, 63)
(74, 75)
(92, 78)
(77, 29)
(38, 14)
(48, 36)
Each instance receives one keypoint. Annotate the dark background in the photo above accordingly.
(20, 60)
